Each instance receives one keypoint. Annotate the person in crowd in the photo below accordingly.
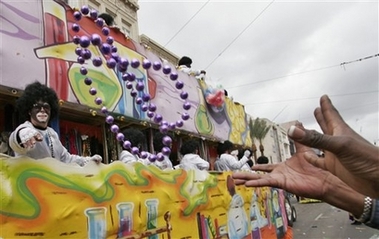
(247, 166)
(226, 161)
(137, 139)
(191, 158)
(158, 145)
(37, 106)
(262, 160)
(250, 162)
(108, 19)
(346, 176)
(184, 65)
(217, 166)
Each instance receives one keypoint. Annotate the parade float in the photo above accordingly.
(106, 81)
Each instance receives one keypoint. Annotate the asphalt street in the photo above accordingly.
(323, 221)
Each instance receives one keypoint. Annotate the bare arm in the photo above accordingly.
(347, 155)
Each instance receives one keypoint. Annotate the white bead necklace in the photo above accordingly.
(50, 144)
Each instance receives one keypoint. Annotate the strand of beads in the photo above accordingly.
(137, 88)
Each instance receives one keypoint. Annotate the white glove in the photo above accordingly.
(246, 153)
(28, 137)
(96, 158)
(82, 161)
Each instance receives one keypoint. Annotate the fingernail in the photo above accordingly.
(296, 133)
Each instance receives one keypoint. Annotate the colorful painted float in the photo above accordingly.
(49, 199)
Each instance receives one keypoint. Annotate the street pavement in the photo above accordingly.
(323, 221)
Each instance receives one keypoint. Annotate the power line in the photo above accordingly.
(186, 23)
(361, 59)
(240, 34)
(279, 113)
(303, 72)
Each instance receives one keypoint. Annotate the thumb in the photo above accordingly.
(315, 160)
(314, 139)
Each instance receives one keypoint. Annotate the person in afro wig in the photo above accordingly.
(34, 138)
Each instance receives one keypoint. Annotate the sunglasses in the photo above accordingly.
(38, 106)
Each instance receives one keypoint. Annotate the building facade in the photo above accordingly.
(125, 17)
(277, 146)
(124, 13)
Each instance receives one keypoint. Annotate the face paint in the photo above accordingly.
(40, 114)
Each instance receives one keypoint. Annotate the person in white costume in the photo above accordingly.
(184, 65)
(226, 161)
(34, 138)
(249, 163)
(191, 158)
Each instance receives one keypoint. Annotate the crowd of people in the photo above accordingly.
(346, 176)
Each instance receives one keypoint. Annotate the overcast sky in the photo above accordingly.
(278, 57)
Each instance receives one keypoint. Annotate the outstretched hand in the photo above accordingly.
(96, 158)
(29, 137)
(295, 175)
(347, 155)
(247, 153)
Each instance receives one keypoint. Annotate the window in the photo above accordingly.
(125, 27)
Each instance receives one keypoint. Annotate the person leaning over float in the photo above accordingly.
(247, 166)
(34, 138)
(184, 65)
(226, 161)
(191, 158)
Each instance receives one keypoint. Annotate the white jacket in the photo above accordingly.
(127, 157)
(193, 161)
(165, 164)
(42, 149)
(228, 162)
(189, 71)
